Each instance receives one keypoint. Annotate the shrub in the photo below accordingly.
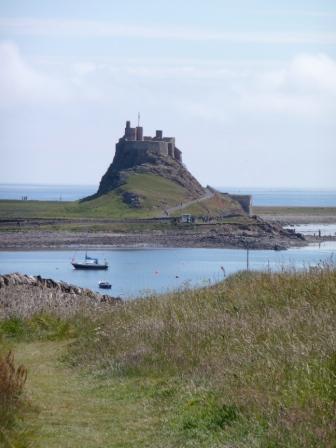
(12, 381)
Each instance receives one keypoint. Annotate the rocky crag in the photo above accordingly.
(26, 295)
(156, 155)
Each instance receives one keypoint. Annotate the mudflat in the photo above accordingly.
(262, 232)
(260, 235)
(297, 215)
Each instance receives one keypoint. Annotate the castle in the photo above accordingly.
(133, 142)
(158, 156)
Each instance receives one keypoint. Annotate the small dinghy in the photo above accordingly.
(104, 285)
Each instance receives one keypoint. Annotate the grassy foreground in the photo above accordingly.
(250, 362)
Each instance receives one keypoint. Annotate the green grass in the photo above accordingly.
(214, 206)
(250, 362)
(309, 211)
(40, 327)
(109, 206)
(156, 193)
(77, 410)
(91, 226)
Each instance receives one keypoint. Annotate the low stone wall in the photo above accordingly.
(245, 200)
(26, 295)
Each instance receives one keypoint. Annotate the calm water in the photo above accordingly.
(314, 229)
(288, 197)
(261, 196)
(46, 192)
(138, 272)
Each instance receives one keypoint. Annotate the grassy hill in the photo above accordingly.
(154, 192)
(250, 362)
(214, 206)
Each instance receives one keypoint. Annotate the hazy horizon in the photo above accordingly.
(248, 90)
(220, 187)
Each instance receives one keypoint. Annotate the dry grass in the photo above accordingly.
(12, 380)
(25, 301)
(250, 362)
(260, 346)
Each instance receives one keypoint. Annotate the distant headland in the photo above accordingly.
(158, 155)
(146, 198)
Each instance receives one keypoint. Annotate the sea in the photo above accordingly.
(286, 197)
(261, 196)
(141, 272)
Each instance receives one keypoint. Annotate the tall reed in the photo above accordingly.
(12, 381)
(264, 344)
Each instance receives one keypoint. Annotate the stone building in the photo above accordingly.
(133, 141)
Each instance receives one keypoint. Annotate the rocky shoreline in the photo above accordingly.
(260, 235)
(25, 295)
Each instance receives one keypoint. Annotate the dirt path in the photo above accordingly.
(79, 411)
(170, 210)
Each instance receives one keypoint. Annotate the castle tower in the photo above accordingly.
(130, 133)
(139, 133)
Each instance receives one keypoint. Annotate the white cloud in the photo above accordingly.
(249, 114)
(23, 83)
(304, 86)
(298, 12)
(19, 82)
(92, 28)
(315, 72)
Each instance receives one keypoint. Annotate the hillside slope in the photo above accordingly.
(154, 183)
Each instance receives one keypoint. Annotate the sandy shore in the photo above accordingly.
(297, 215)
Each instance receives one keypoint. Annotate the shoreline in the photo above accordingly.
(309, 242)
(259, 235)
(297, 215)
(263, 232)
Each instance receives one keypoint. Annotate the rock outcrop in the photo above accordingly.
(156, 164)
(150, 155)
(26, 295)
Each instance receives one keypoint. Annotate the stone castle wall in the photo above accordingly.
(134, 141)
(245, 200)
(159, 147)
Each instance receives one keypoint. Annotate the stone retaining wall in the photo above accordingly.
(26, 295)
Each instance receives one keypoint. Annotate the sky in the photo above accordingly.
(248, 88)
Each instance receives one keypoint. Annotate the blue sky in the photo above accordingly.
(248, 88)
